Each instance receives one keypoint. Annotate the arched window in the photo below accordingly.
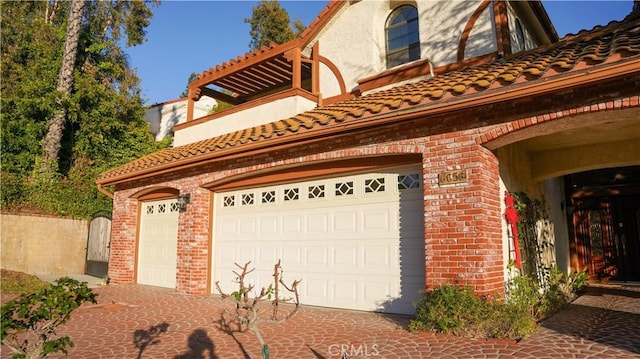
(519, 36)
(403, 37)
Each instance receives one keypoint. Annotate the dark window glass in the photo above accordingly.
(403, 37)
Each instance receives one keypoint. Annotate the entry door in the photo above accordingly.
(606, 231)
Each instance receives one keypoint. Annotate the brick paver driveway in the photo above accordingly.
(145, 322)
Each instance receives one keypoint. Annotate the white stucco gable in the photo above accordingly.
(344, 54)
(164, 116)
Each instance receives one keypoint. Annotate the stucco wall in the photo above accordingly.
(555, 198)
(43, 245)
(163, 117)
(359, 54)
(254, 116)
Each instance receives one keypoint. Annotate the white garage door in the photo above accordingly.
(357, 242)
(157, 251)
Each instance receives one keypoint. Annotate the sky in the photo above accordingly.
(191, 36)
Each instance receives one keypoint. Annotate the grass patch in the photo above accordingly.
(12, 282)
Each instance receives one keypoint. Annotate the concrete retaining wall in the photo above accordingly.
(43, 245)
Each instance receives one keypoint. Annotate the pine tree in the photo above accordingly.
(271, 23)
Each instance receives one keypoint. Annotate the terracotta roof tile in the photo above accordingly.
(589, 48)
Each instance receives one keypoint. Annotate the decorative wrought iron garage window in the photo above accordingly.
(374, 185)
(268, 197)
(408, 181)
(403, 37)
(316, 191)
(150, 209)
(344, 188)
(229, 201)
(291, 194)
(247, 199)
(174, 207)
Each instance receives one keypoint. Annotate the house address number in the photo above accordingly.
(452, 177)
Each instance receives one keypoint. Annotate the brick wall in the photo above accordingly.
(477, 260)
(463, 235)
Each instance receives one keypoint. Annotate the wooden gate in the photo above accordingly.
(98, 246)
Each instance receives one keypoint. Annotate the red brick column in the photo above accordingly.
(463, 240)
(192, 267)
(124, 226)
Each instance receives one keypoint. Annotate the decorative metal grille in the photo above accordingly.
(291, 194)
(247, 199)
(229, 201)
(162, 208)
(174, 207)
(150, 209)
(316, 191)
(344, 188)
(269, 197)
(408, 181)
(374, 185)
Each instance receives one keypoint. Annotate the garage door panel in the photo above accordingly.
(352, 240)
(345, 257)
(317, 223)
(377, 291)
(412, 253)
(269, 225)
(292, 256)
(157, 244)
(247, 226)
(345, 291)
(376, 257)
(228, 228)
(345, 221)
(377, 220)
(291, 224)
(315, 288)
(268, 255)
(316, 256)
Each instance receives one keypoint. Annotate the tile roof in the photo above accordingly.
(585, 50)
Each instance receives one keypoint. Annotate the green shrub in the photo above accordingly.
(29, 322)
(457, 310)
(12, 190)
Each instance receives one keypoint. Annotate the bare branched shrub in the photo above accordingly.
(248, 315)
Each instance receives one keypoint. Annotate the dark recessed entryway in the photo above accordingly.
(605, 213)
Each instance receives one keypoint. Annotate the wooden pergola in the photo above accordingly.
(264, 71)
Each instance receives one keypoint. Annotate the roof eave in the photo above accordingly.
(539, 86)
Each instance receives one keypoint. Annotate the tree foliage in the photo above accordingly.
(191, 78)
(29, 322)
(104, 126)
(271, 23)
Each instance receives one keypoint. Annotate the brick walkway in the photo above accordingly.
(146, 322)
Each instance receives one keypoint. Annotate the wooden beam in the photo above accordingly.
(315, 69)
(205, 91)
(297, 68)
(503, 38)
(229, 85)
